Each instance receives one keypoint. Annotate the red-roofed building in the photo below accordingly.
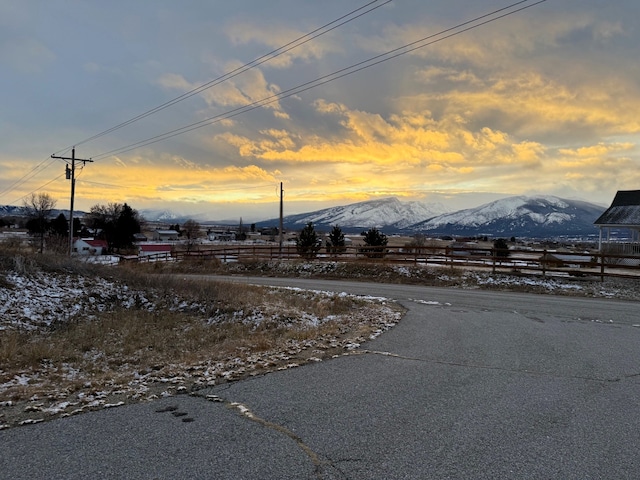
(90, 246)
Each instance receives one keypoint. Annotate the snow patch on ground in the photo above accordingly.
(39, 301)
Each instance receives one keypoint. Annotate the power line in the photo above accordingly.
(35, 190)
(28, 176)
(403, 50)
(324, 29)
(354, 68)
(204, 189)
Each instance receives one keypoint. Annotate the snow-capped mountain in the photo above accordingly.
(538, 216)
(159, 215)
(11, 211)
(169, 216)
(387, 213)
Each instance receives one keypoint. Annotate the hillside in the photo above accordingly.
(388, 214)
(539, 216)
(536, 216)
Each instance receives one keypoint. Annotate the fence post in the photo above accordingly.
(543, 263)
(601, 267)
(493, 261)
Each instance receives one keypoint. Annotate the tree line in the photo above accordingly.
(309, 243)
(116, 223)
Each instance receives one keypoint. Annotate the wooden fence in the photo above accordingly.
(542, 262)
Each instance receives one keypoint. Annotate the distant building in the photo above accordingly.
(165, 235)
(221, 235)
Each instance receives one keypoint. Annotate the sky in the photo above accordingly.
(542, 101)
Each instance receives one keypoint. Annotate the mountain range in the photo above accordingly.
(520, 216)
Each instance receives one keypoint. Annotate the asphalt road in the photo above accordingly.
(469, 385)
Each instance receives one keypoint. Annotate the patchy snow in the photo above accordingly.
(39, 301)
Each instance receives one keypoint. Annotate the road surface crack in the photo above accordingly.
(243, 410)
(490, 367)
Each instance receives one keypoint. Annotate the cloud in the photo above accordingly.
(246, 89)
(25, 55)
(544, 100)
(406, 155)
(598, 151)
(277, 36)
(178, 180)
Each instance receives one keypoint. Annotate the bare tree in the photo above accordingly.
(38, 207)
(191, 229)
(116, 223)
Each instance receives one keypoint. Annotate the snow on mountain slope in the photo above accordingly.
(508, 208)
(387, 212)
(519, 215)
(537, 216)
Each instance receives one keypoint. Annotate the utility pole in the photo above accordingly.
(281, 220)
(71, 175)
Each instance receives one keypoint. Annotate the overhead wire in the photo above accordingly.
(324, 29)
(29, 175)
(111, 185)
(35, 190)
(349, 70)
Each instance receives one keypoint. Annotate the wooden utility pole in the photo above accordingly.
(71, 175)
(280, 230)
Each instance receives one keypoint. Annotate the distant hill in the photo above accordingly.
(19, 211)
(520, 216)
(11, 211)
(537, 216)
(389, 214)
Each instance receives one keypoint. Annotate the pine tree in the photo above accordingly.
(336, 242)
(308, 243)
(376, 241)
(501, 248)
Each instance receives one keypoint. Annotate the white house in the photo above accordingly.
(90, 246)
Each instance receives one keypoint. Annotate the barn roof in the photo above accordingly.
(97, 243)
(93, 242)
(624, 210)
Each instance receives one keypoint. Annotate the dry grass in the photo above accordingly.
(221, 332)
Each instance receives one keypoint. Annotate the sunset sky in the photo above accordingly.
(542, 101)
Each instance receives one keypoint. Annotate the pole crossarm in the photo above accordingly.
(72, 159)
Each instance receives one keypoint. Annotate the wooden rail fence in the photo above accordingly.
(544, 262)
